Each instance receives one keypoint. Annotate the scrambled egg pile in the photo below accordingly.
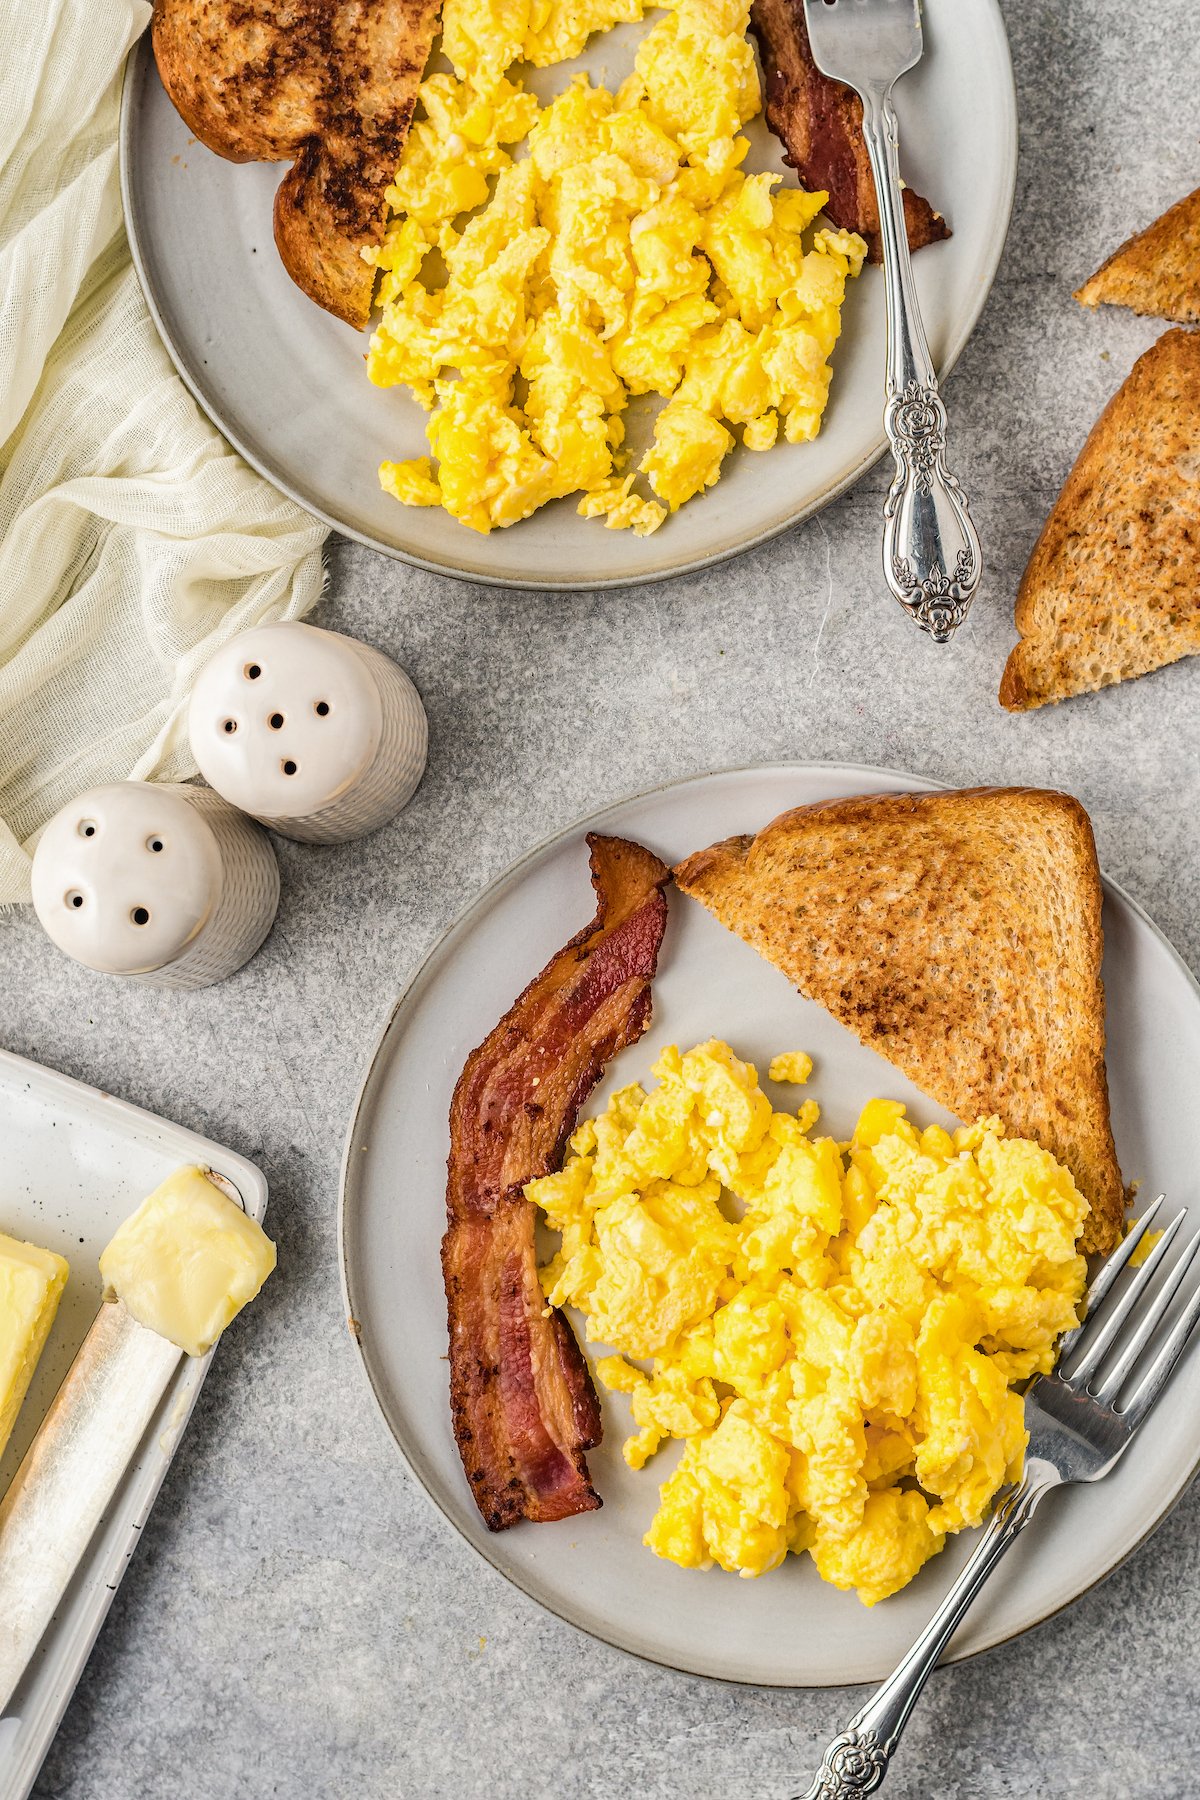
(625, 253)
(839, 1349)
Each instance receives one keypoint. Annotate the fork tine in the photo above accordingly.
(1097, 1342)
(1154, 1380)
(1113, 1264)
(1109, 1269)
(1116, 1377)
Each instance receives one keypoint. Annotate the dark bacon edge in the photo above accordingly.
(522, 1402)
(819, 123)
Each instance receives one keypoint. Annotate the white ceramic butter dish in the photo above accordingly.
(76, 1163)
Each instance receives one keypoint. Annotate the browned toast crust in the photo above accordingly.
(329, 85)
(1112, 589)
(959, 935)
(1158, 271)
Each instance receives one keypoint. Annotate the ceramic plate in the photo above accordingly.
(76, 1163)
(286, 384)
(788, 1628)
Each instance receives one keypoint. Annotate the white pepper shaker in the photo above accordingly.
(318, 736)
(163, 883)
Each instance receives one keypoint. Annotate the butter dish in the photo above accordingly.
(178, 1271)
(77, 1164)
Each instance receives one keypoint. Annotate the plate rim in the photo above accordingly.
(139, 66)
(586, 821)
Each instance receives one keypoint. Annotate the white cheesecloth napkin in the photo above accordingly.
(133, 541)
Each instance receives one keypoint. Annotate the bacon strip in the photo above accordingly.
(521, 1398)
(819, 123)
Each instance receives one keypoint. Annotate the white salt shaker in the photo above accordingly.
(163, 883)
(318, 736)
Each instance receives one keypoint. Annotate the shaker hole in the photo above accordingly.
(74, 898)
(230, 726)
(87, 828)
(140, 916)
(252, 671)
(322, 709)
(276, 721)
(289, 767)
(154, 843)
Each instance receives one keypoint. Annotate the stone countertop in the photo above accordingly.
(299, 1620)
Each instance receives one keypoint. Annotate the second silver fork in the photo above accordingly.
(1077, 1433)
(931, 557)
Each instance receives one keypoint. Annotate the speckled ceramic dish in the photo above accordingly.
(76, 1164)
(286, 384)
(789, 1628)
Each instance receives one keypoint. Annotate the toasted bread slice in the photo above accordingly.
(819, 124)
(328, 85)
(1158, 271)
(959, 935)
(1112, 589)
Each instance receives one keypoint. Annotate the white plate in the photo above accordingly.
(76, 1163)
(788, 1628)
(285, 381)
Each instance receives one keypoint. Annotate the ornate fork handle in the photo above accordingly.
(931, 556)
(857, 1760)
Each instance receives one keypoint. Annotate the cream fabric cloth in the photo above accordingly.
(132, 540)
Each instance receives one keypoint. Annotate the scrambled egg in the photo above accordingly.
(835, 1331)
(525, 301)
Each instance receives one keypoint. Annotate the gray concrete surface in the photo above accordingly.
(299, 1621)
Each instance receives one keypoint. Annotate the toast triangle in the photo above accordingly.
(328, 87)
(959, 935)
(1158, 271)
(1112, 589)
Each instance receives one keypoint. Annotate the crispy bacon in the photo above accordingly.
(819, 123)
(522, 1401)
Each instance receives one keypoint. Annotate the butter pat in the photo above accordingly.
(31, 1284)
(187, 1261)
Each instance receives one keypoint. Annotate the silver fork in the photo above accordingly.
(1076, 1433)
(931, 557)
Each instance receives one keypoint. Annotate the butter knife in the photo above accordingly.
(71, 1471)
